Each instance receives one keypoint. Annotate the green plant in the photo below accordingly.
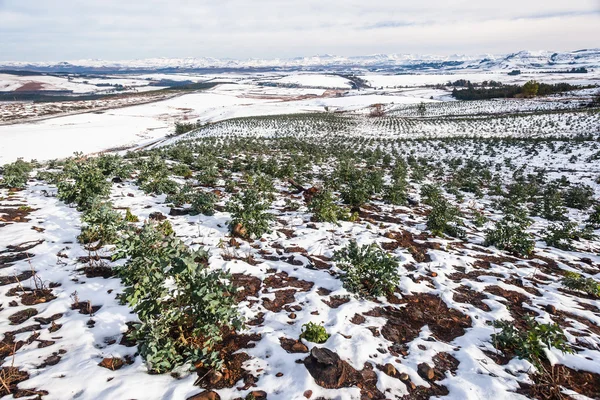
(314, 333)
(430, 194)
(130, 217)
(511, 234)
(249, 216)
(324, 208)
(203, 203)
(100, 224)
(580, 197)
(562, 235)
(83, 183)
(183, 321)
(369, 270)
(576, 281)
(530, 344)
(445, 219)
(15, 175)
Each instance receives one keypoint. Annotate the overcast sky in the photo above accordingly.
(54, 30)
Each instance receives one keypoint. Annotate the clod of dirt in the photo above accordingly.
(206, 395)
(157, 216)
(21, 316)
(112, 363)
(293, 346)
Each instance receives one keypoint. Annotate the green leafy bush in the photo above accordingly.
(182, 321)
(576, 281)
(580, 197)
(510, 234)
(100, 224)
(530, 344)
(314, 333)
(324, 208)
(249, 216)
(562, 235)
(430, 194)
(153, 176)
(15, 175)
(83, 183)
(369, 270)
(445, 219)
(203, 203)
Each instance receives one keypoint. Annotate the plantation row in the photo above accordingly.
(310, 125)
(484, 107)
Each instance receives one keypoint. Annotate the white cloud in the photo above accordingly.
(111, 29)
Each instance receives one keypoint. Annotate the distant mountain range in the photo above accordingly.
(541, 60)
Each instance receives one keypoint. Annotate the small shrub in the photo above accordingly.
(510, 234)
(444, 219)
(183, 321)
(83, 184)
(562, 235)
(580, 197)
(314, 333)
(577, 282)
(530, 344)
(249, 216)
(100, 224)
(369, 270)
(130, 217)
(324, 208)
(15, 175)
(203, 203)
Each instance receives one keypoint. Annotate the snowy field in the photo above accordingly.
(481, 212)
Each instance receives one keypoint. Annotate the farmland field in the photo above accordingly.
(301, 238)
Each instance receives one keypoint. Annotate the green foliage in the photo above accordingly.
(396, 193)
(510, 234)
(130, 217)
(249, 213)
(83, 183)
(100, 224)
(15, 175)
(314, 333)
(561, 236)
(594, 218)
(324, 208)
(370, 271)
(576, 281)
(182, 321)
(203, 203)
(530, 344)
(479, 219)
(445, 219)
(430, 194)
(153, 176)
(580, 197)
(357, 186)
(530, 89)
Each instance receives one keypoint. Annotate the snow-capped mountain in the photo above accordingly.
(589, 58)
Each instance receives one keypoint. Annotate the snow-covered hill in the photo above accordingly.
(589, 58)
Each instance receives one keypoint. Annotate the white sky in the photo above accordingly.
(54, 30)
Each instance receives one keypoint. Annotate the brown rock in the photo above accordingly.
(206, 395)
(404, 377)
(112, 363)
(550, 309)
(157, 216)
(328, 370)
(425, 371)
(257, 395)
(307, 394)
(390, 370)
